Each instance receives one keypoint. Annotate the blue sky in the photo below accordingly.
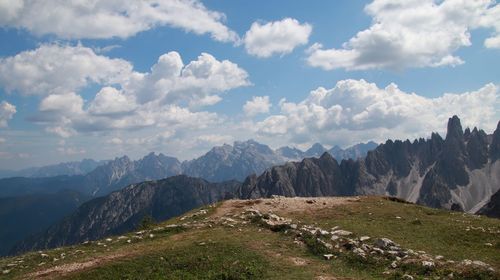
(76, 81)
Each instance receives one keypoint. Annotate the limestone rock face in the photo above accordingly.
(458, 172)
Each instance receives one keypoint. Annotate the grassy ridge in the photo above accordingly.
(247, 251)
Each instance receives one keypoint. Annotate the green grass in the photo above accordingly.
(437, 232)
(189, 261)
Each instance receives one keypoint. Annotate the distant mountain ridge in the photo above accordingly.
(221, 163)
(123, 211)
(65, 168)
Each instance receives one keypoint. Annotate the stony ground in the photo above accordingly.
(304, 238)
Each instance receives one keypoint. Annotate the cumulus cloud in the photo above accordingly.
(355, 110)
(169, 95)
(99, 19)
(7, 111)
(52, 69)
(415, 33)
(278, 37)
(70, 151)
(198, 83)
(258, 105)
(110, 101)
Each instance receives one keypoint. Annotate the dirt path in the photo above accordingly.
(64, 269)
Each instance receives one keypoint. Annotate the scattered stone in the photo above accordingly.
(122, 237)
(439, 257)
(109, 239)
(480, 263)
(428, 264)
(359, 252)
(44, 255)
(488, 244)
(310, 201)
(322, 232)
(341, 232)
(129, 241)
(378, 250)
(328, 256)
(398, 217)
(151, 235)
(7, 271)
(364, 238)
(384, 243)
(407, 277)
(394, 265)
(325, 244)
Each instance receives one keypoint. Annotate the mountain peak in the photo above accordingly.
(316, 150)
(454, 128)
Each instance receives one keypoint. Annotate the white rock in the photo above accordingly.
(109, 239)
(359, 252)
(341, 232)
(328, 256)
(7, 271)
(428, 264)
(364, 238)
(384, 243)
(407, 277)
(480, 263)
(394, 265)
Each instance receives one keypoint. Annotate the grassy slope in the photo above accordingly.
(249, 252)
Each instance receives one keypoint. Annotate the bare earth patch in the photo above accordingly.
(73, 267)
(283, 205)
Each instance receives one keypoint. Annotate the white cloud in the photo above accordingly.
(70, 151)
(67, 104)
(169, 95)
(214, 139)
(115, 141)
(110, 101)
(258, 105)
(355, 110)
(7, 111)
(278, 37)
(98, 19)
(415, 33)
(52, 69)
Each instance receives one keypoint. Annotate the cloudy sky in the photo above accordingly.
(102, 78)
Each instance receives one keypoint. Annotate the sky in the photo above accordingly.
(104, 78)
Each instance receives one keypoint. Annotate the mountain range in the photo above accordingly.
(459, 172)
(33, 193)
(64, 168)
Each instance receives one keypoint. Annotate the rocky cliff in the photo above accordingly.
(461, 172)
